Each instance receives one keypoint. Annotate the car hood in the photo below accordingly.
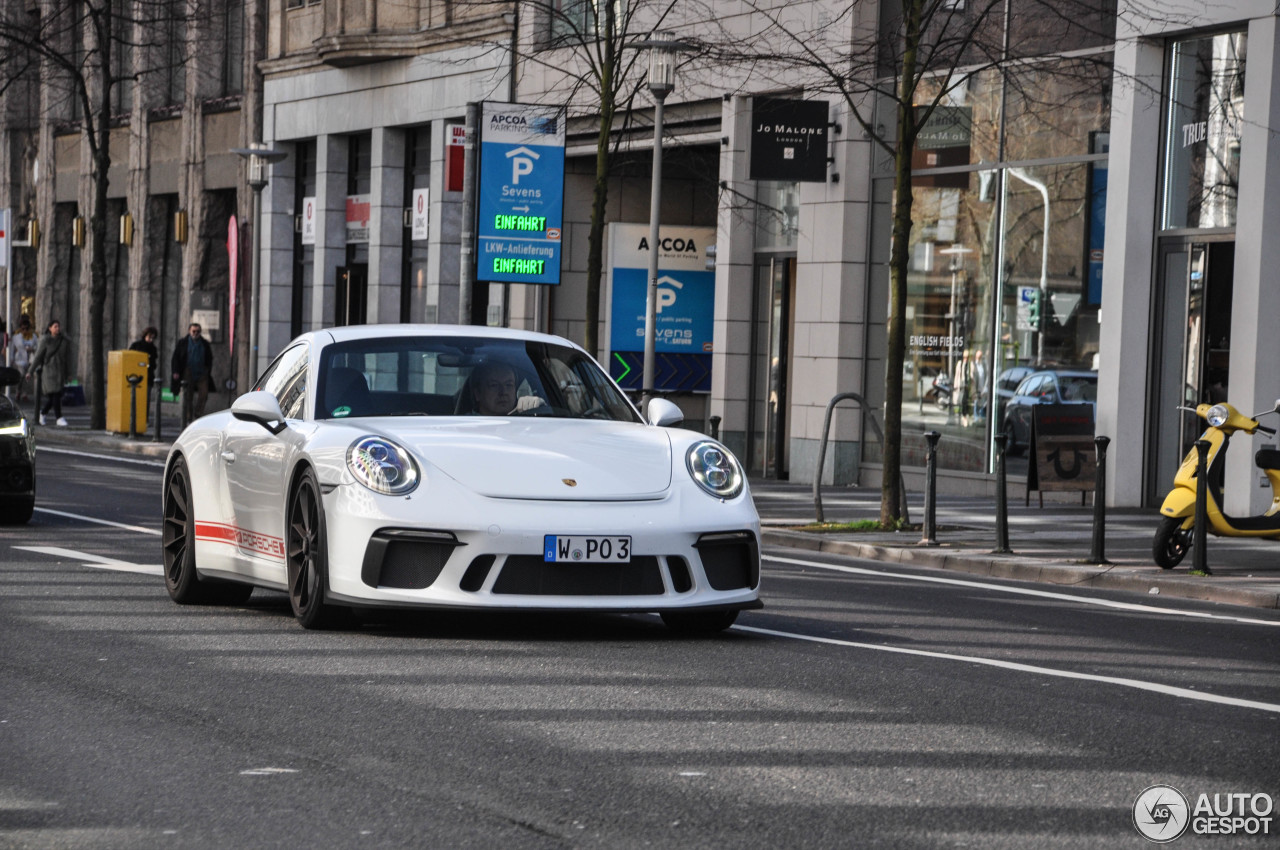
(539, 458)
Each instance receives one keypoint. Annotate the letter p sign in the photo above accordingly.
(521, 163)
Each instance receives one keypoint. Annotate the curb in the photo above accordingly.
(1018, 568)
(101, 441)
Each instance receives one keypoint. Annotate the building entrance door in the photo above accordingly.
(352, 295)
(1192, 355)
(768, 426)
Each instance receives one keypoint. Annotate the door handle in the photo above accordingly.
(229, 457)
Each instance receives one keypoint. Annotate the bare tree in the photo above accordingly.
(902, 61)
(86, 50)
(589, 55)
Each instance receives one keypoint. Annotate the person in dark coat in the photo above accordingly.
(192, 373)
(147, 345)
(52, 356)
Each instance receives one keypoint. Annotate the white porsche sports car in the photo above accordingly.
(456, 466)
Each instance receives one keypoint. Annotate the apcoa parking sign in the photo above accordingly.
(521, 194)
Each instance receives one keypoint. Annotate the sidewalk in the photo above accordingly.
(1050, 544)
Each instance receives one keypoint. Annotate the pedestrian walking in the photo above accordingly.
(22, 347)
(52, 355)
(191, 368)
(147, 345)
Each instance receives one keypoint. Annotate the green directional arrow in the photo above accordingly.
(626, 370)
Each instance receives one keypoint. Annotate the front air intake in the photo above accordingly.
(406, 559)
(731, 560)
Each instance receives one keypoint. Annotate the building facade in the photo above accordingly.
(1091, 195)
(183, 97)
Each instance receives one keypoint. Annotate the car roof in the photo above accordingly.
(352, 332)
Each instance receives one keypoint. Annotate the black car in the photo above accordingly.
(1052, 386)
(17, 456)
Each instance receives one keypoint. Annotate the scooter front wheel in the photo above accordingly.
(1171, 544)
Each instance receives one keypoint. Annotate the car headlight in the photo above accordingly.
(715, 470)
(383, 466)
(19, 430)
(1217, 415)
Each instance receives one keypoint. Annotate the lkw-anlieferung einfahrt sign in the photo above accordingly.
(521, 194)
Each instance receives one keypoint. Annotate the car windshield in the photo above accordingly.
(462, 376)
(1078, 387)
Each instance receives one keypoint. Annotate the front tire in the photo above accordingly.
(699, 622)
(178, 537)
(18, 514)
(1171, 543)
(306, 556)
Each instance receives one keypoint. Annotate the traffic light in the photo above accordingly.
(1034, 314)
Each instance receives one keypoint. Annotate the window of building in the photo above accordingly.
(575, 20)
(417, 301)
(175, 54)
(1204, 120)
(232, 69)
(1005, 269)
(304, 189)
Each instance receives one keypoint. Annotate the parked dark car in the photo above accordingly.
(1053, 386)
(1006, 383)
(17, 456)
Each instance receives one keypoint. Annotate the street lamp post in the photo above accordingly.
(662, 81)
(260, 156)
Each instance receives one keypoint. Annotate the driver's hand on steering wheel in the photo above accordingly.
(528, 402)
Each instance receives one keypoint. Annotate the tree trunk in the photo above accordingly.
(891, 495)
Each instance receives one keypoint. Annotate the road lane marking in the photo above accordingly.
(117, 458)
(1168, 690)
(126, 527)
(94, 561)
(1022, 591)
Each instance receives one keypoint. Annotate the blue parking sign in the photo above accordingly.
(520, 200)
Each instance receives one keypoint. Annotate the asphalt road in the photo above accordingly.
(866, 706)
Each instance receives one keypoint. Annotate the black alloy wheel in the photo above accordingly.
(306, 555)
(178, 541)
(1171, 543)
(699, 622)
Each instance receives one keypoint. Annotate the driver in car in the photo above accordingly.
(493, 388)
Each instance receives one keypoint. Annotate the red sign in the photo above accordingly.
(455, 157)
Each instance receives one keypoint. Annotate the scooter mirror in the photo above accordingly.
(1277, 407)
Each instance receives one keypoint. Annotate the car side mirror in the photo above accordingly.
(662, 413)
(10, 377)
(261, 407)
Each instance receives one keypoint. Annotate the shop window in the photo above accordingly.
(1204, 121)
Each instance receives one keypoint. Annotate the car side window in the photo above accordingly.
(287, 381)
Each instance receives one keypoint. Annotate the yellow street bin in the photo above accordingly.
(120, 365)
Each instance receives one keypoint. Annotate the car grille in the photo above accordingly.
(530, 575)
(730, 560)
(410, 560)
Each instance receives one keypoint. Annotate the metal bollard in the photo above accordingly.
(133, 380)
(715, 427)
(159, 391)
(1200, 561)
(930, 537)
(1002, 498)
(1098, 554)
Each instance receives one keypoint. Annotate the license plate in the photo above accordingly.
(586, 550)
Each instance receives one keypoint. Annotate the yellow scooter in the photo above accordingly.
(1177, 515)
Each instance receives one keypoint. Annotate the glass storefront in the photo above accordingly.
(1204, 122)
(1005, 273)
